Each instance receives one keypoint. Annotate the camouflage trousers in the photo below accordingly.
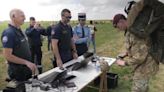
(140, 83)
(142, 75)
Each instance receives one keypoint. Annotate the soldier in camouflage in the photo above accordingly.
(137, 50)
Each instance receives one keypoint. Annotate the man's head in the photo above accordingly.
(32, 21)
(119, 21)
(66, 15)
(91, 22)
(82, 18)
(17, 16)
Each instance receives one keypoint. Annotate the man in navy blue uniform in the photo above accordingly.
(16, 49)
(34, 33)
(62, 40)
(49, 29)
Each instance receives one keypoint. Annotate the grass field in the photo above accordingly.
(109, 43)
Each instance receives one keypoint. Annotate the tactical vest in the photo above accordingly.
(22, 50)
(150, 23)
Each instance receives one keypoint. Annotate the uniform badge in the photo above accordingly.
(4, 39)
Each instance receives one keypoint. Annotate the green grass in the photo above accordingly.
(109, 43)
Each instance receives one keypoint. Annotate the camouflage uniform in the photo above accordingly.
(144, 66)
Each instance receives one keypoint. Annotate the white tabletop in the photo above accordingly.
(83, 76)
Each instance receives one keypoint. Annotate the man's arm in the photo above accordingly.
(80, 40)
(49, 30)
(77, 39)
(7, 52)
(74, 51)
(56, 52)
(134, 60)
(29, 31)
(43, 31)
(89, 37)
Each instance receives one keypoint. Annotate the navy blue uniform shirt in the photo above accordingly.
(63, 33)
(8, 38)
(13, 38)
(34, 36)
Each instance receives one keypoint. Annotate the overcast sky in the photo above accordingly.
(50, 9)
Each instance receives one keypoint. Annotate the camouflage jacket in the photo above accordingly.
(136, 48)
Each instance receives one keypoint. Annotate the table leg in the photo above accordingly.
(103, 83)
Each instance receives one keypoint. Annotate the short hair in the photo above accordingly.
(13, 12)
(32, 18)
(65, 10)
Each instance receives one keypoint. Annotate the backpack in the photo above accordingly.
(150, 23)
(129, 6)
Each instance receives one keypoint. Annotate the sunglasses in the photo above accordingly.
(68, 17)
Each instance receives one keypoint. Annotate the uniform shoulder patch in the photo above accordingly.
(4, 39)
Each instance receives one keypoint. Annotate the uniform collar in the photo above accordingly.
(82, 26)
(11, 26)
(63, 23)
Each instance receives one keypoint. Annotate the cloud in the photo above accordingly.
(98, 9)
(56, 2)
(50, 9)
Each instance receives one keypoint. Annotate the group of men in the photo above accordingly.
(23, 51)
(68, 44)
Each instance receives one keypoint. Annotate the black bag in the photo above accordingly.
(112, 80)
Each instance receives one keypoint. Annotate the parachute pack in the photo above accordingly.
(150, 23)
(129, 6)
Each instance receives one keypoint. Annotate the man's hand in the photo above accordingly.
(122, 55)
(75, 56)
(59, 63)
(36, 26)
(120, 62)
(75, 37)
(32, 66)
